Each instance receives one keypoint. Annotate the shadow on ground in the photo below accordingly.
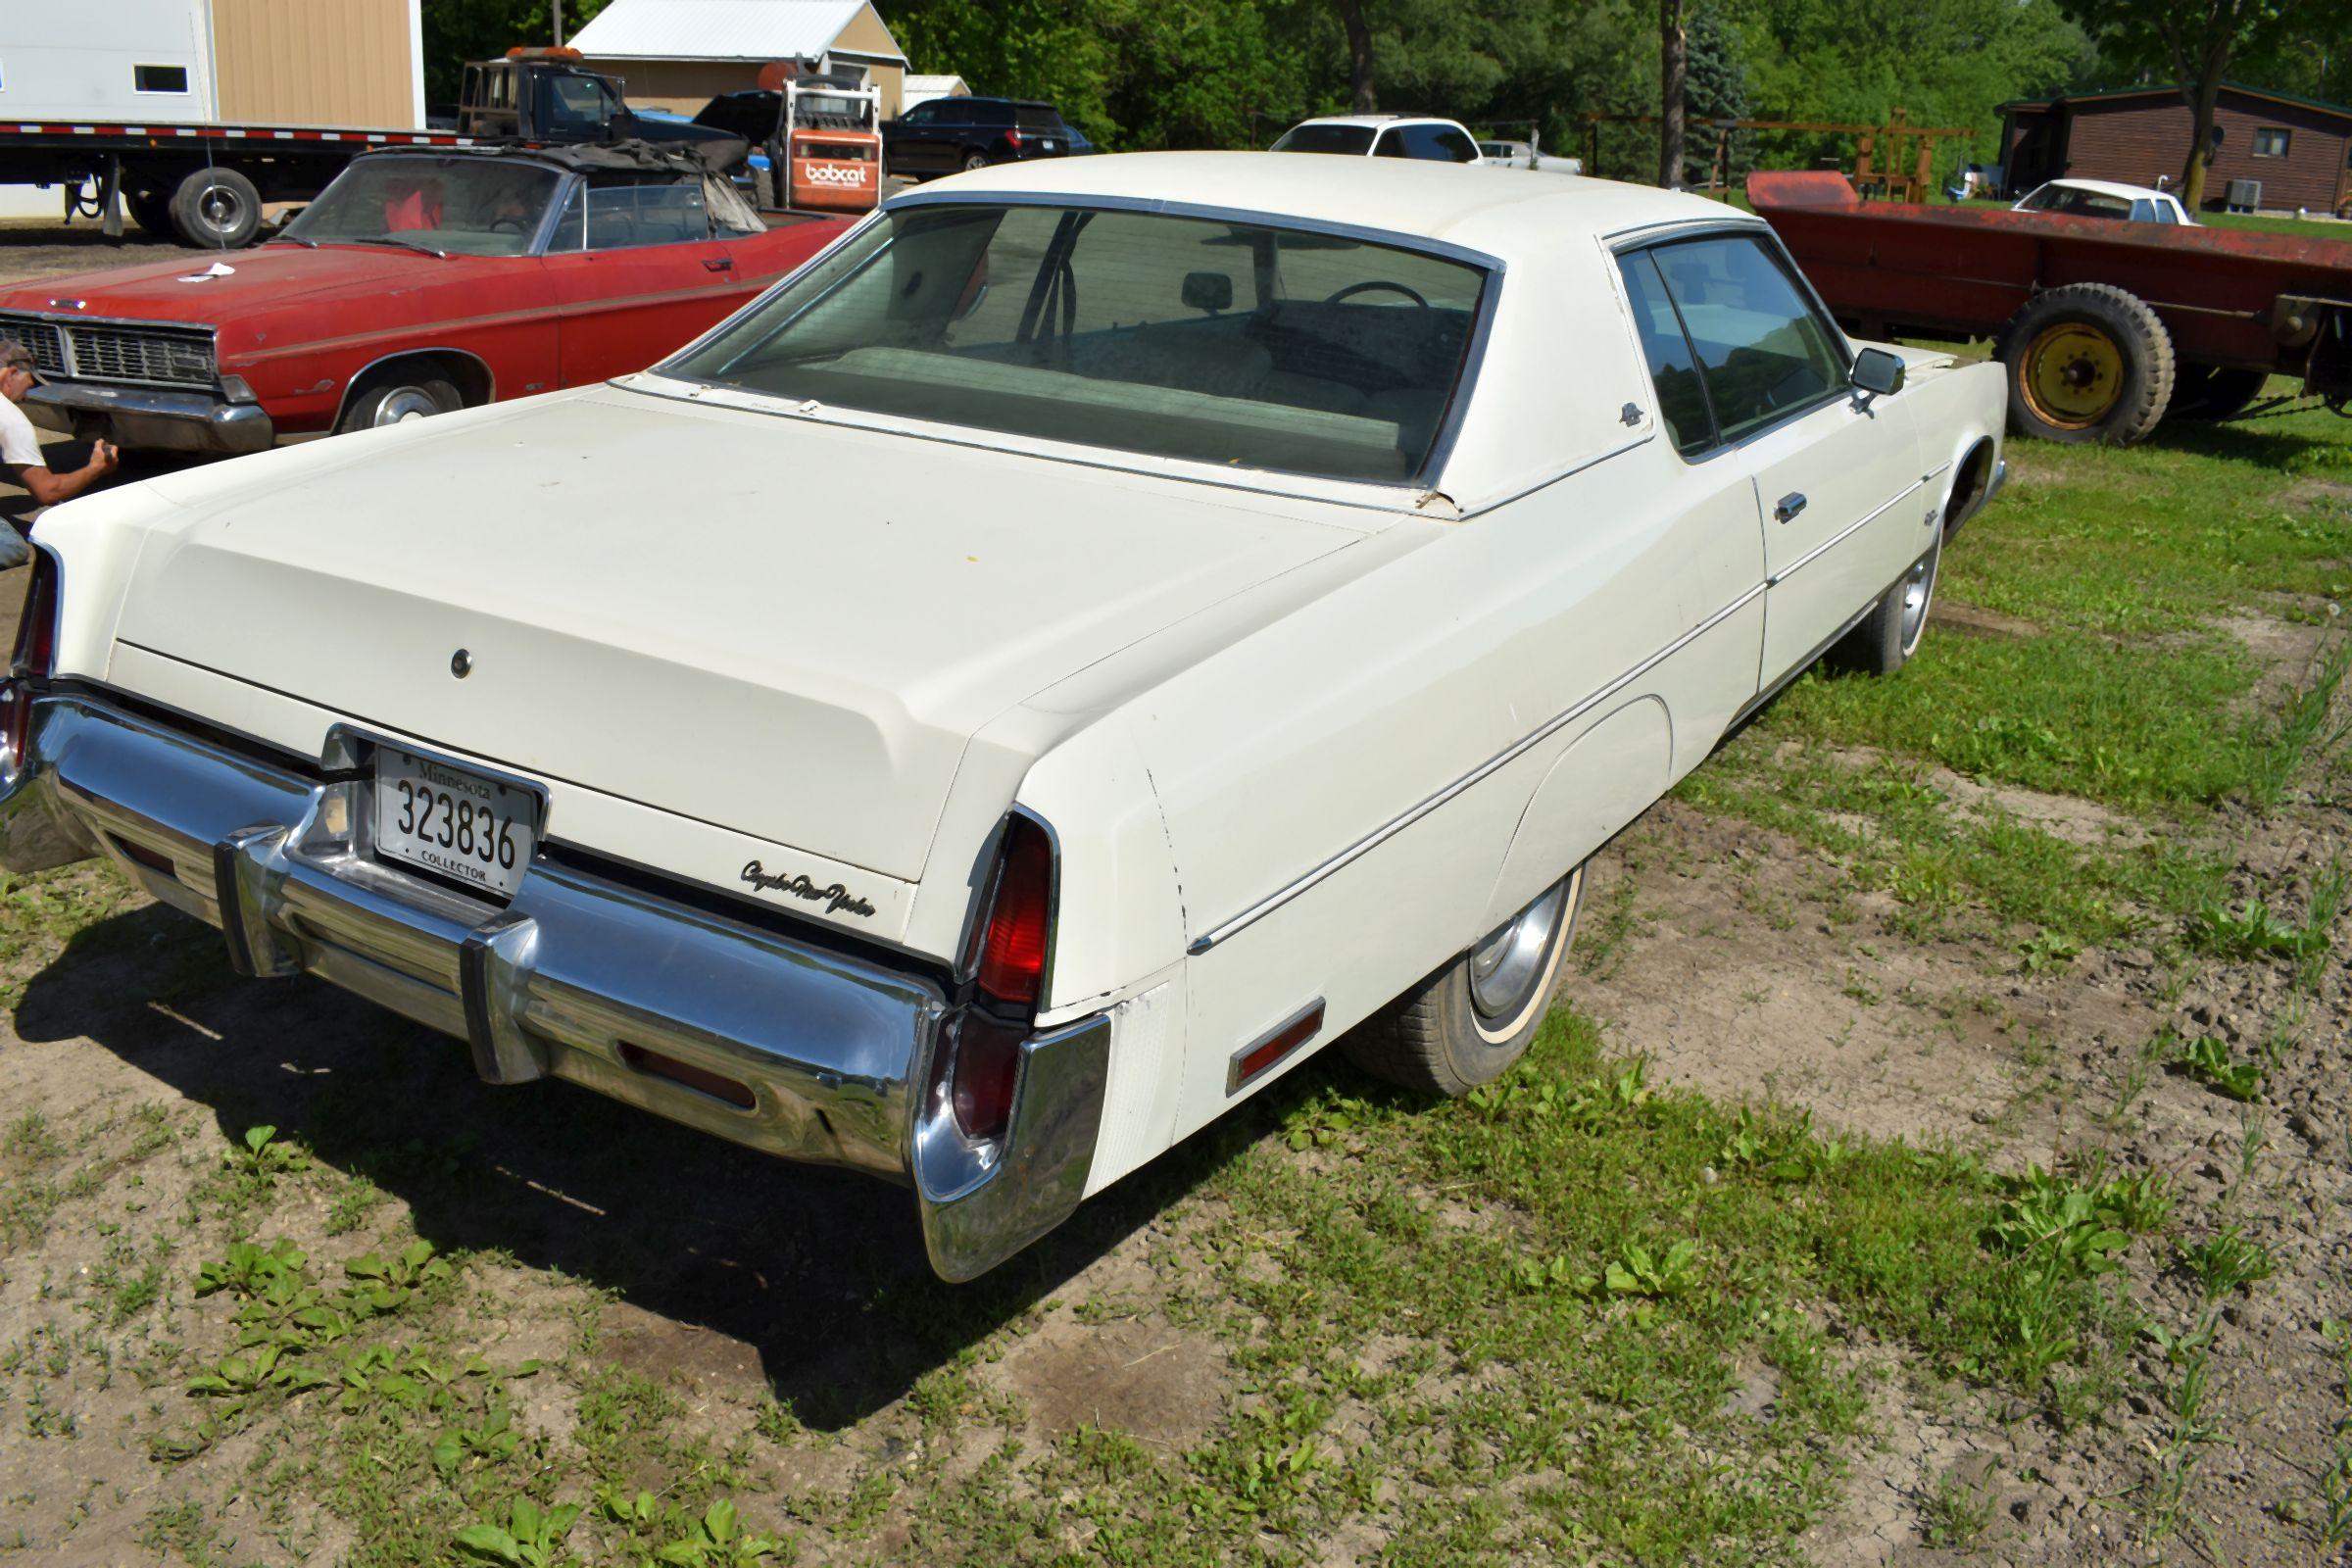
(822, 1273)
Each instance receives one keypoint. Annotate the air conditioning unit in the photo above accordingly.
(2245, 195)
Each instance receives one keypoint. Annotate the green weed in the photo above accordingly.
(2226, 1263)
(2208, 1058)
(531, 1537)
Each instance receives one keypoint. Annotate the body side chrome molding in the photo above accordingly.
(1235, 924)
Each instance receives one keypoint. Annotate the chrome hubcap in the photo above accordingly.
(1507, 967)
(1916, 589)
(405, 402)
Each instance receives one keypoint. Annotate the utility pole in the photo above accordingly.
(1674, 62)
(556, 7)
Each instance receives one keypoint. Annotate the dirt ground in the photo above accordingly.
(1741, 963)
(32, 248)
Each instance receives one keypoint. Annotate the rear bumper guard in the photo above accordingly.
(577, 977)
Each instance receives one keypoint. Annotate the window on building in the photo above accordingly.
(159, 79)
(2270, 143)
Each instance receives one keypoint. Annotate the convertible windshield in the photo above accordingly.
(1208, 339)
(467, 206)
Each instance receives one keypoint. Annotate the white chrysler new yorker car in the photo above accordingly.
(1100, 632)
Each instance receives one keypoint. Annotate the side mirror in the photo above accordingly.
(1207, 291)
(1877, 372)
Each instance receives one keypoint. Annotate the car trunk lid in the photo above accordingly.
(786, 630)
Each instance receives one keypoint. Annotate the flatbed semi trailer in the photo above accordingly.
(202, 184)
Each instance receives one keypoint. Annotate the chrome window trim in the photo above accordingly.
(1655, 237)
(1234, 924)
(1427, 478)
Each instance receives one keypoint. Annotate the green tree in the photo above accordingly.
(2194, 41)
(1717, 90)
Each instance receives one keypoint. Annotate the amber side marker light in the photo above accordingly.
(1254, 1060)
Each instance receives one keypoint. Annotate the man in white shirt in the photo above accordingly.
(21, 445)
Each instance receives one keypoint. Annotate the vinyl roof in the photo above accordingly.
(717, 30)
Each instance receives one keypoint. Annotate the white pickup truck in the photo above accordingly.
(1275, 579)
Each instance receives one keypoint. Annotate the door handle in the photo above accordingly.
(718, 264)
(1788, 505)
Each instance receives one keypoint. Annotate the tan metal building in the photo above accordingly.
(680, 53)
(347, 63)
(357, 63)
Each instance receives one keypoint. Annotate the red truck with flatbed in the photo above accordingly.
(2106, 328)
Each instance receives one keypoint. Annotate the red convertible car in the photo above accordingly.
(415, 283)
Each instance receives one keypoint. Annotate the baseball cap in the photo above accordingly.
(13, 353)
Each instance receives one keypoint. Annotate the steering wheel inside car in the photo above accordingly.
(1370, 284)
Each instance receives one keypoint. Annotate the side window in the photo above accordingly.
(1763, 350)
(1682, 400)
(625, 216)
(1392, 144)
(1442, 144)
(572, 229)
(922, 114)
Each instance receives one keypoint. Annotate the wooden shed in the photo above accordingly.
(2298, 150)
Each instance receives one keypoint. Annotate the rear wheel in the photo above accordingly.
(397, 396)
(973, 161)
(218, 208)
(2087, 363)
(1466, 1024)
(2213, 392)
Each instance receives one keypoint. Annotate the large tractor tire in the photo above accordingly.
(2213, 392)
(2087, 363)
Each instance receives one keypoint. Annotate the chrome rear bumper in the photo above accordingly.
(579, 977)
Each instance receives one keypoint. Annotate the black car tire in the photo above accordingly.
(216, 208)
(1439, 1039)
(1883, 641)
(974, 161)
(378, 400)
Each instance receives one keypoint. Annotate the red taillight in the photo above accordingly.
(980, 1059)
(988, 1060)
(1013, 953)
(36, 659)
(36, 631)
(1012, 139)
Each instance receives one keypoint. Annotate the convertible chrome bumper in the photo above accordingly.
(154, 419)
(788, 1046)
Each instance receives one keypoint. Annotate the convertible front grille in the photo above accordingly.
(115, 351)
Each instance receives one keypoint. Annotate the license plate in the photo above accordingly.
(472, 829)
(1049, 144)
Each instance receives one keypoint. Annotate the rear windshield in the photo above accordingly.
(1037, 117)
(1354, 140)
(1207, 339)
